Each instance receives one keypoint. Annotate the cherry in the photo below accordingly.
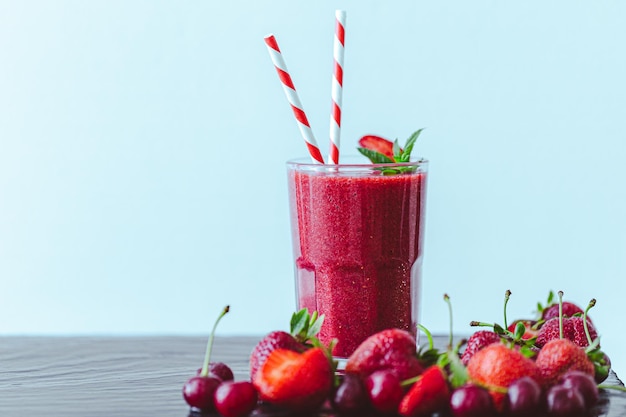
(220, 371)
(384, 390)
(198, 391)
(524, 398)
(471, 401)
(350, 396)
(584, 384)
(235, 399)
(564, 401)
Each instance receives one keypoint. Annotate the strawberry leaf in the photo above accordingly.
(305, 327)
(299, 322)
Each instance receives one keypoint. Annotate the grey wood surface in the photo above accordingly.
(126, 376)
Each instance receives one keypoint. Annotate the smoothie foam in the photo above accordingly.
(357, 241)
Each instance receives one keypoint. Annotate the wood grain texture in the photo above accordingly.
(127, 376)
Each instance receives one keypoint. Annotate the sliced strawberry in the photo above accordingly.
(377, 144)
(530, 328)
(296, 381)
(429, 394)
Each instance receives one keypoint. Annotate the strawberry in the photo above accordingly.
(391, 349)
(477, 341)
(377, 144)
(559, 356)
(429, 394)
(382, 151)
(497, 366)
(295, 381)
(569, 310)
(573, 329)
(304, 327)
(530, 328)
(551, 309)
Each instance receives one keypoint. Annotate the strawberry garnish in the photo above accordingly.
(379, 145)
(295, 381)
(430, 393)
(383, 151)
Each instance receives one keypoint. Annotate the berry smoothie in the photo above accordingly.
(358, 240)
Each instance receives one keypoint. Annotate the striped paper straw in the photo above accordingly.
(292, 97)
(337, 86)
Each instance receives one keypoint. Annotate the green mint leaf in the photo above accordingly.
(408, 147)
(375, 157)
(397, 150)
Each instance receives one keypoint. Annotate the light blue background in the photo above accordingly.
(142, 149)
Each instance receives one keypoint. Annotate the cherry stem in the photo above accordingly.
(446, 298)
(615, 387)
(585, 326)
(480, 324)
(429, 336)
(560, 314)
(209, 346)
(507, 294)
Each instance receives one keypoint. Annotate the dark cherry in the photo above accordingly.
(565, 402)
(384, 391)
(235, 399)
(471, 401)
(350, 397)
(584, 384)
(220, 371)
(199, 390)
(524, 398)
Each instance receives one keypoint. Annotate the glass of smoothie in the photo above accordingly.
(357, 233)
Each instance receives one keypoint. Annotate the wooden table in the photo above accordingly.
(127, 376)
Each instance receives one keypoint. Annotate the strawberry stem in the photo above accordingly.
(585, 326)
(209, 346)
(507, 294)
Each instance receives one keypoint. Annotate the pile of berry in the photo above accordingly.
(550, 365)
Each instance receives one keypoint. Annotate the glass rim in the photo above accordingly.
(307, 163)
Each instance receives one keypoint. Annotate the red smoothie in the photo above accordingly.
(358, 242)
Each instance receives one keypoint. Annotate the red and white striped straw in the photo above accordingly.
(337, 86)
(292, 97)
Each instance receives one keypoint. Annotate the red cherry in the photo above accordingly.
(198, 392)
(584, 384)
(565, 402)
(471, 401)
(219, 370)
(384, 390)
(524, 398)
(350, 398)
(235, 399)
